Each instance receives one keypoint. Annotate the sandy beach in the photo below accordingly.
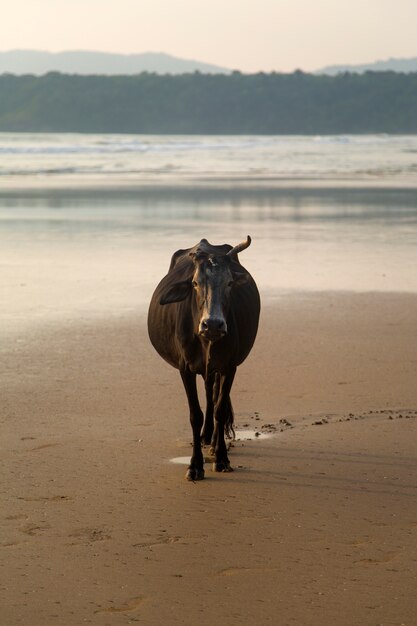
(317, 525)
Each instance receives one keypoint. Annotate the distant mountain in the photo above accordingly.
(394, 65)
(86, 62)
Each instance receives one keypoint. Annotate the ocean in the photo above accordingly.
(88, 223)
(96, 157)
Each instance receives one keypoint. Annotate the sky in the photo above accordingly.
(246, 35)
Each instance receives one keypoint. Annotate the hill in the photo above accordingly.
(298, 103)
(85, 62)
(394, 65)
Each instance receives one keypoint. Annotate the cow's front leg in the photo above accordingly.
(196, 468)
(222, 412)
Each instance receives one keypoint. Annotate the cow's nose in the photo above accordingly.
(213, 327)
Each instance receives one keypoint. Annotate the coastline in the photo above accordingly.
(11, 186)
(317, 521)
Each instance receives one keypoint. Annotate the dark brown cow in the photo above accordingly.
(203, 319)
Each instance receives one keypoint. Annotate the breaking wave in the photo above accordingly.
(45, 155)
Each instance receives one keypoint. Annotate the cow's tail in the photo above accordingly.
(229, 431)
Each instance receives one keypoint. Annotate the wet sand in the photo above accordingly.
(316, 526)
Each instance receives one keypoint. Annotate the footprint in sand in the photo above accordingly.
(133, 605)
(234, 571)
(11, 544)
(159, 541)
(33, 530)
(88, 535)
(45, 499)
(386, 558)
(44, 445)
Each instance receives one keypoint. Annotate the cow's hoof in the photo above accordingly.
(222, 467)
(193, 473)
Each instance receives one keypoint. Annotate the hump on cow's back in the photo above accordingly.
(206, 246)
(202, 246)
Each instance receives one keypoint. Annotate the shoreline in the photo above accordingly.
(316, 522)
(11, 187)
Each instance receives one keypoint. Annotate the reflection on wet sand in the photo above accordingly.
(78, 252)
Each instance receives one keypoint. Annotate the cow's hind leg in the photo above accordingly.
(196, 468)
(222, 415)
(212, 392)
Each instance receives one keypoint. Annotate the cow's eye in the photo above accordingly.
(194, 283)
(230, 283)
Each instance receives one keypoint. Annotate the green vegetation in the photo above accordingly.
(298, 103)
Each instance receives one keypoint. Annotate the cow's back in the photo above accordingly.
(245, 309)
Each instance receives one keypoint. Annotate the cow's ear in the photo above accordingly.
(176, 292)
(240, 278)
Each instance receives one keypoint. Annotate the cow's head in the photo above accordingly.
(213, 278)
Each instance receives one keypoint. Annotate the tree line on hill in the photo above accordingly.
(297, 103)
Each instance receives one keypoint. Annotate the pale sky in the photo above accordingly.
(248, 35)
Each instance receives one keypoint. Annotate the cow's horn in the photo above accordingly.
(240, 246)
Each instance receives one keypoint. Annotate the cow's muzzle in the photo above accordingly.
(212, 328)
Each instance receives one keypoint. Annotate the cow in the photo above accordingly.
(203, 319)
